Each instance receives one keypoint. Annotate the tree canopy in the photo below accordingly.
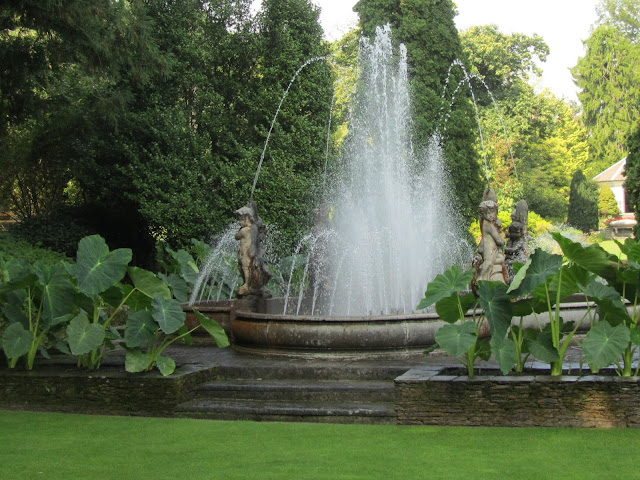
(608, 76)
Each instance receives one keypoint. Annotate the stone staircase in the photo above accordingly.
(322, 391)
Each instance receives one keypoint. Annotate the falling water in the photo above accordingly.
(391, 214)
(466, 80)
(284, 95)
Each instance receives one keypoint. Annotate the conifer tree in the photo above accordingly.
(583, 203)
(632, 173)
(609, 77)
(608, 204)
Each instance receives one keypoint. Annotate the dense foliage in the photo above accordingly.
(152, 115)
(70, 308)
(607, 203)
(537, 290)
(583, 203)
(609, 75)
(533, 142)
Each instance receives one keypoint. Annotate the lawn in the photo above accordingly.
(62, 446)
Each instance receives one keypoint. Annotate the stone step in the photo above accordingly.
(256, 410)
(320, 391)
(312, 370)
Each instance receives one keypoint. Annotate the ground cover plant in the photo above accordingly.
(69, 308)
(64, 446)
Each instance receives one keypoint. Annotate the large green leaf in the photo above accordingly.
(168, 313)
(148, 283)
(604, 344)
(177, 285)
(214, 329)
(457, 339)
(137, 361)
(568, 283)
(166, 365)
(593, 257)
(446, 284)
(84, 336)
(496, 303)
(16, 341)
(136, 300)
(96, 268)
(504, 350)
(449, 308)
(542, 347)
(140, 328)
(188, 267)
(610, 305)
(58, 292)
(543, 265)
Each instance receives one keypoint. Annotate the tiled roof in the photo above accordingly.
(614, 173)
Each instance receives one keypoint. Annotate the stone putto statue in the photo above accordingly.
(516, 249)
(489, 258)
(251, 253)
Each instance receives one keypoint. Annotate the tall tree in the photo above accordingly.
(533, 141)
(632, 173)
(583, 203)
(289, 36)
(504, 62)
(427, 29)
(609, 75)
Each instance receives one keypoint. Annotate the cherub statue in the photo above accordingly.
(516, 249)
(489, 258)
(250, 252)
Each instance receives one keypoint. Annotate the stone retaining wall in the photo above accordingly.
(106, 391)
(426, 396)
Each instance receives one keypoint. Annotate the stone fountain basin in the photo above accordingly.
(268, 333)
(258, 327)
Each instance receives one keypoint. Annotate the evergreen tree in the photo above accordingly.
(609, 75)
(289, 35)
(583, 203)
(608, 205)
(632, 173)
(427, 29)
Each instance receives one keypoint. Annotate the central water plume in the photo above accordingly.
(392, 224)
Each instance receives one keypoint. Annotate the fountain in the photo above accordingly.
(383, 231)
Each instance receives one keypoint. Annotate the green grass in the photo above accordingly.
(62, 446)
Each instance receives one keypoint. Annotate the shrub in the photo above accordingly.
(608, 205)
(59, 230)
(12, 246)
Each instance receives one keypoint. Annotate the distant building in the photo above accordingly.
(622, 226)
(614, 177)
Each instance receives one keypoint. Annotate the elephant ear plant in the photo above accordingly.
(37, 302)
(615, 339)
(71, 307)
(537, 291)
(462, 336)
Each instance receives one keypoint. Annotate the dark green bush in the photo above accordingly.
(60, 230)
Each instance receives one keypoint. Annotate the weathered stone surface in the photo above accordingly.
(427, 398)
(107, 391)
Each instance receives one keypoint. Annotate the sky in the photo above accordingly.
(563, 24)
